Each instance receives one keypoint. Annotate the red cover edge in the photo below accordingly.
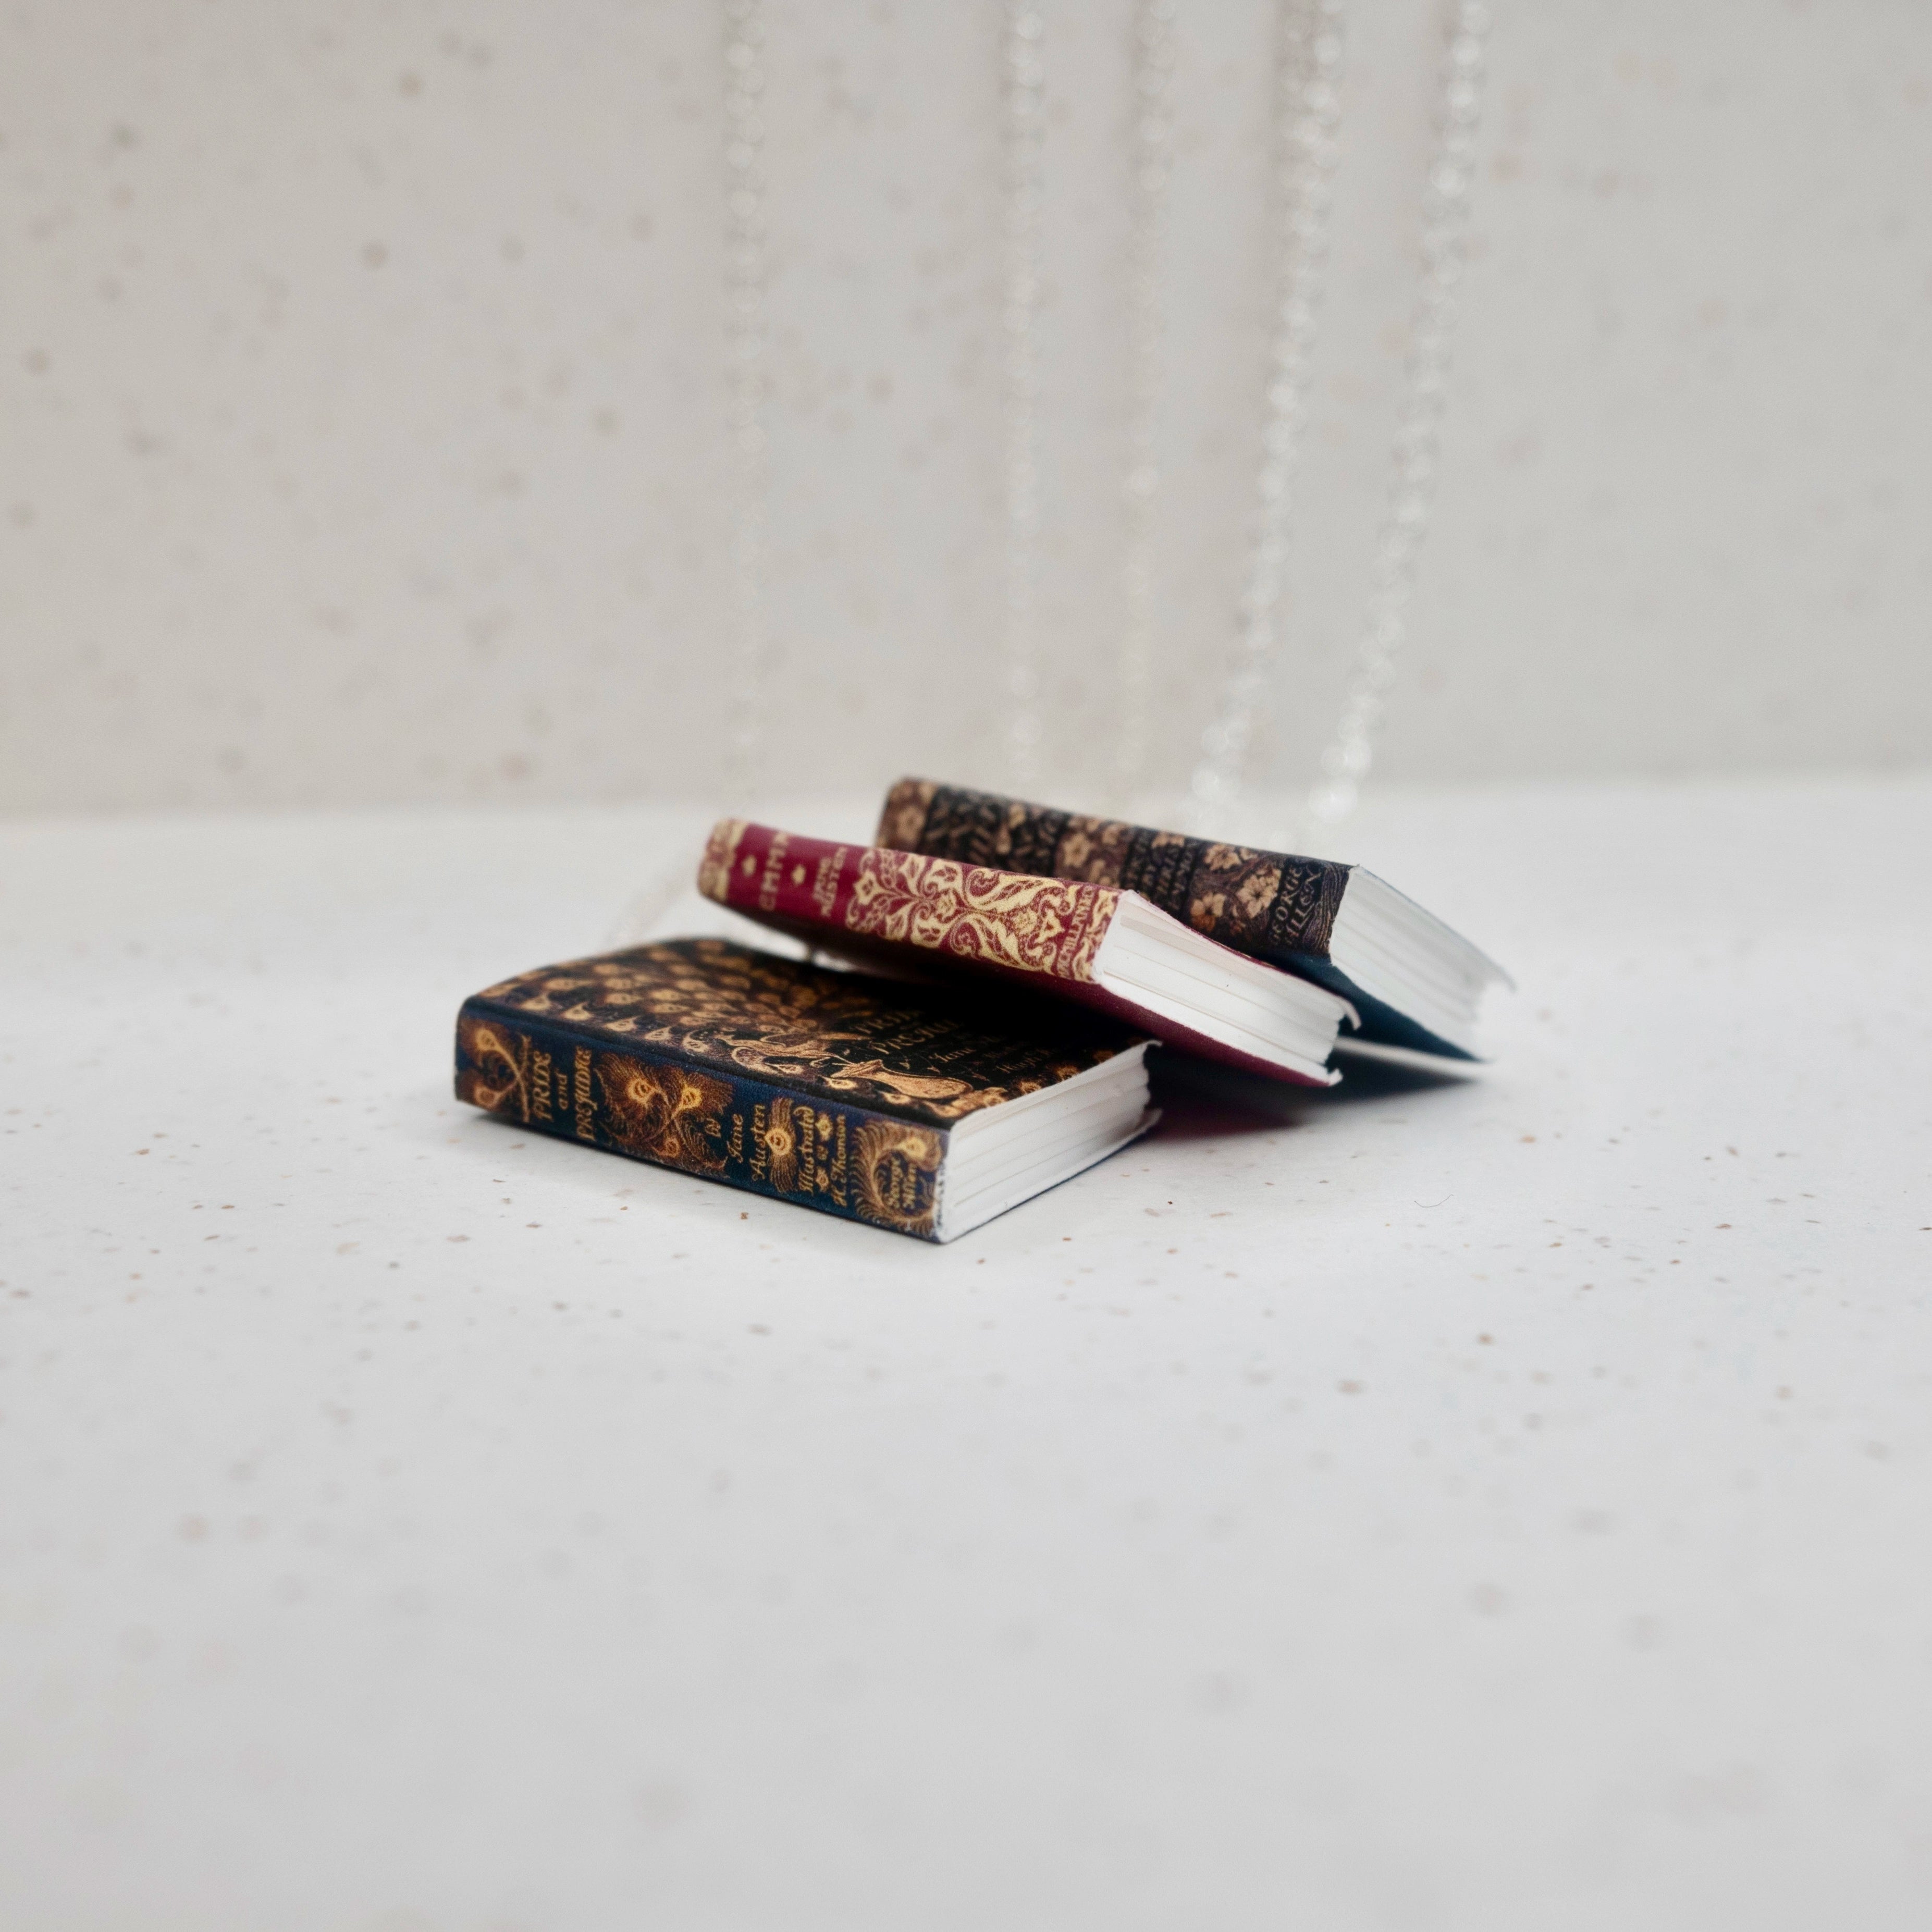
(808, 886)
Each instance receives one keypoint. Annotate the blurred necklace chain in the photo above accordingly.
(1445, 221)
(745, 344)
(1308, 59)
(1153, 158)
(1307, 70)
(1308, 63)
(1024, 127)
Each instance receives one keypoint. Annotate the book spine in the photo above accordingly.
(1272, 905)
(1015, 922)
(555, 1079)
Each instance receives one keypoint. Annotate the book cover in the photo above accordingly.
(830, 1089)
(910, 911)
(1271, 905)
(1415, 984)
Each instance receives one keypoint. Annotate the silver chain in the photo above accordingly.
(1445, 219)
(1308, 62)
(1308, 52)
(745, 345)
(1153, 149)
(1024, 128)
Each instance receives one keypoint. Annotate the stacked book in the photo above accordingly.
(972, 1027)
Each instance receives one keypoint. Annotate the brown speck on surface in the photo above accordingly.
(1527, 1138)
(1349, 1388)
(193, 1528)
(1487, 1601)
(1486, 1340)
(1784, 1395)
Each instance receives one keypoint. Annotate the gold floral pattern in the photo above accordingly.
(897, 1172)
(1097, 850)
(715, 866)
(843, 1035)
(824, 1088)
(496, 1061)
(1232, 892)
(1269, 904)
(904, 818)
(675, 1115)
(1052, 926)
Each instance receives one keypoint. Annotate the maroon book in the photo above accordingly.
(1100, 946)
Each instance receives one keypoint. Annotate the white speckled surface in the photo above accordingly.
(1491, 1506)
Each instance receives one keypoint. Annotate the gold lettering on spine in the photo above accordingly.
(825, 885)
(897, 1169)
(774, 872)
(581, 1094)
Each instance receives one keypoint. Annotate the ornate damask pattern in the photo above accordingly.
(1268, 904)
(931, 1058)
(841, 1160)
(1031, 925)
(716, 867)
(1232, 893)
(902, 823)
(492, 1066)
(1097, 850)
(974, 828)
(674, 1115)
(897, 1171)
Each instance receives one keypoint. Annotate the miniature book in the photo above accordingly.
(1415, 983)
(1102, 946)
(924, 1112)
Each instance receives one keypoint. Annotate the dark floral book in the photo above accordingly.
(915, 1110)
(1415, 983)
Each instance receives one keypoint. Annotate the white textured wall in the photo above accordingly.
(360, 403)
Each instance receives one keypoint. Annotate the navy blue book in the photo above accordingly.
(922, 1111)
(1416, 984)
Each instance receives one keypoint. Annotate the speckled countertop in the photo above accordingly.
(1496, 1505)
